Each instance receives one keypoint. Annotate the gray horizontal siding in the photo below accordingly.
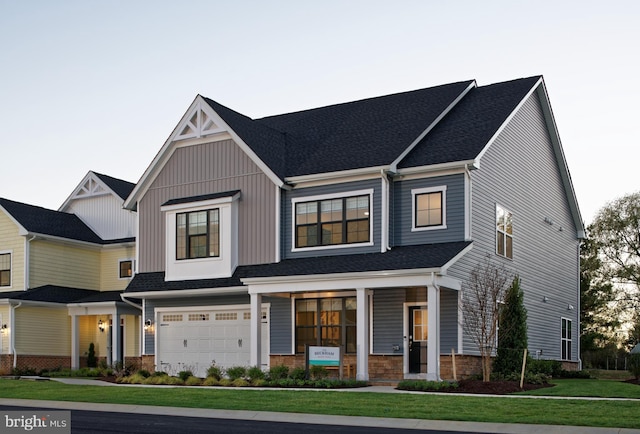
(520, 173)
(287, 221)
(388, 316)
(448, 321)
(281, 323)
(205, 169)
(403, 211)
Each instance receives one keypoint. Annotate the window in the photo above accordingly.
(126, 269)
(5, 269)
(332, 221)
(565, 339)
(504, 232)
(429, 208)
(198, 234)
(326, 322)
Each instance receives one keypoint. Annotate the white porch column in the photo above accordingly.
(433, 339)
(362, 338)
(256, 329)
(75, 343)
(116, 345)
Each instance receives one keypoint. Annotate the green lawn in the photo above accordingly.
(589, 388)
(620, 414)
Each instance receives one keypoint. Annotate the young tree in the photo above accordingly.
(480, 306)
(616, 230)
(512, 334)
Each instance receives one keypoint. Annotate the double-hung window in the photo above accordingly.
(126, 269)
(198, 234)
(326, 322)
(565, 339)
(332, 221)
(5, 269)
(504, 232)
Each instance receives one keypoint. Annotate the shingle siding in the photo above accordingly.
(519, 172)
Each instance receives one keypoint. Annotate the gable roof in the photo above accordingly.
(94, 184)
(119, 186)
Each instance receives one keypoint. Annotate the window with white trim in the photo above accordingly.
(198, 234)
(565, 339)
(326, 322)
(332, 220)
(504, 232)
(429, 208)
(126, 269)
(5, 269)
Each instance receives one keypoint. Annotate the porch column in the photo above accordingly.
(116, 345)
(75, 343)
(433, 339)
(362, 338)
(256, 330)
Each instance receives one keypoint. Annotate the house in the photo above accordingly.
(355, 225)
(61, 279)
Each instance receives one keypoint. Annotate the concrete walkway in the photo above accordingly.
(418, 424)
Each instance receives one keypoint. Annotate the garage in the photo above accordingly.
(195, 338)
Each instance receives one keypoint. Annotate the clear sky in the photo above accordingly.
(100, 85)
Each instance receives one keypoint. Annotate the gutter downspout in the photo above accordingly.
(579, 311)
(384, 223)
(13, 333)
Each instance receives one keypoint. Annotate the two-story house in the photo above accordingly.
(355, 225)
(62, 273)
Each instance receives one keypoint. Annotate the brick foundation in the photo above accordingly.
(147, 362)
(40, 363)
(6, 364)
(466, 366)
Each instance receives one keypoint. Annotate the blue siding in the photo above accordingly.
(287, 221)
(281, 323)
(403, 210)
(519, 172)
(387, 320)
(448, 321)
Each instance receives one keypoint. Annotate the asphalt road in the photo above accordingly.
(97, 422)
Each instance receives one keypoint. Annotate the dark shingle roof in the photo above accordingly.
(63, 295)
(48, 222)
(398, 258)
(201, 197)
(467, 129)
(120, 187)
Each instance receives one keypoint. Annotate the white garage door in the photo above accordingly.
(195, 339)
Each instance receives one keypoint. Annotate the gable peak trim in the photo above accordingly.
(199, 121)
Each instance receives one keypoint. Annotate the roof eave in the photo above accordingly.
(335, 176)
(230, 290)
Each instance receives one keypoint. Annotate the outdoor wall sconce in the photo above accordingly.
(4, 328)
(147, 324)
(545, 299)
(570, 307)
(102, 325)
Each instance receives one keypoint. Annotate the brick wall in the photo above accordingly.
(6, 363)
(466, 366)
(148, 362)
(39, 363)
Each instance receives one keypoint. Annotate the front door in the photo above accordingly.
(418, 335)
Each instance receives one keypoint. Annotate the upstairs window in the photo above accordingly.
(5, 269)
(198, 234)
(504, 232)
(126, 269)
(429, 208)
(334, 221)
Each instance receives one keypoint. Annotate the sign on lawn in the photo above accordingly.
(324, 356)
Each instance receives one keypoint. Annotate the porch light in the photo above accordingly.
(147, 324)
(4, 328)
(102, 325)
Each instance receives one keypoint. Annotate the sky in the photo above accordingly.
(100, 85)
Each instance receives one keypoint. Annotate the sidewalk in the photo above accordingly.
(418, 424)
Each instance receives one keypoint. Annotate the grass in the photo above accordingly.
(619, 414)
(589, 388)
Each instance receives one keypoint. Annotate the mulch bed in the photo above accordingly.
(492, 387)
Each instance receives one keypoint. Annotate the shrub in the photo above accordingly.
(574, 374)
(279, 372)
(634, 365)
(144, 373)
(214, 372)
(426, 386)
(318, 372)
(193, 381)
(211, 381)
(174, 381)
(552, 368)
(236, 372)
(159, 374)
(225, 382)
(239, 382)
(298, 374)
(255, 373)
(92, 362)
(184, 375)
(512, 339)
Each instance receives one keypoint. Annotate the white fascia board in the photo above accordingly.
(38, 303)
(455, 259)
(508, 119)
(397, 161)
(340, 281)
(441, 169)
(560, 158)
(339, 176)
(167, 149)
(90, 175)
(181, 293)
(201, 203)
(39, 236)
(21, 229)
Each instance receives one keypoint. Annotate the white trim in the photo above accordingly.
(120, 261)
(563, 340)
(434, 170)
(325, 178)
(397, 161)
(426, 190)
(231, 290)
(317, 198)
(200, 205)
(90, 177)
(468, 202)
(385, 210)
(277, 223)
(405, 340)
(495, 238)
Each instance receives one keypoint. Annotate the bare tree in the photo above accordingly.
(480, 305)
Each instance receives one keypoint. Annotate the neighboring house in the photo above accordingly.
(355, 225)
(62, 276)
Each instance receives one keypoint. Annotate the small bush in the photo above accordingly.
(184, 375)
(298, 374)
(211, 381)
(144, 373)
(236, 372)
(135, 379)
(426, 386)
(193, 381)
(174, 381)
(279, 372)
(552, 368)
(239, 382)
(214, 372)
(318, 372)
(574, 374)
(255, 373)
(159, 374)
(260, 382)
(92, 362)
(226, 382)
